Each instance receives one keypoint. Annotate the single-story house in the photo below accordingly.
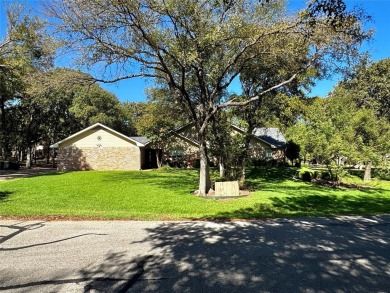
(99, 147)
(266, 143)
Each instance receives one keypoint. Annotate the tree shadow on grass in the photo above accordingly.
(149, 175)
(182, 182)
(188, 180)
(4, 195)
(290, 256)
(272, 174)
(311, 205)
(303, 188)
(333, 205)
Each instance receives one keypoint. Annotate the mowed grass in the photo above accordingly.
(156, 195)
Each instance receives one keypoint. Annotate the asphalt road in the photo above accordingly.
(346, 254)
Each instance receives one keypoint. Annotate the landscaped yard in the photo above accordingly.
(154, 195)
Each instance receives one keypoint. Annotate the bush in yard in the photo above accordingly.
(306, 174)
(325, 175)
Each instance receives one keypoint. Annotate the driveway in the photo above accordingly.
(14, 174)
(344, 254)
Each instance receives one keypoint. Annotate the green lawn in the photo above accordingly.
(153, 195)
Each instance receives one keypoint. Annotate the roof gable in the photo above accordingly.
(99, 125)
(141, 139)
(271, 135)
(185, 133)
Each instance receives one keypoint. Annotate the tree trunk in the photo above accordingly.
(204, 172)
(48, 157)
(158, 158)
(243, 171)
(35, 154)
(47, 149)
(367, 172)
(28, 161)
(222, 168)
(53, 154)
(2, 131)
(242, 158)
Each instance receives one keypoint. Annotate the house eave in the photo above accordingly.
(190, 141)
(57, 144)
(254, 137)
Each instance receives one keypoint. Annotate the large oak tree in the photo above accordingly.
(197, 48)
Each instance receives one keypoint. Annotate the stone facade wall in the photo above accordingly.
(94, 158)
(181, 153)
(278, 155)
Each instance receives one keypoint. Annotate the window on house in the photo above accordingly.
(176, 153)
(268, 153)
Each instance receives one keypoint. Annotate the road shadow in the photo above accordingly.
(20, 227)
(281, 256)
(17, 229)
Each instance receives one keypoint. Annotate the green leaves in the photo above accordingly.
(25, 50)
(348, 124)
(369, 86)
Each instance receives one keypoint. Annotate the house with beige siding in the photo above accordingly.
(266, 144)
(99, 147)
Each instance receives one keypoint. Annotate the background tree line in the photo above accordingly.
(41, 104)
(352, 125)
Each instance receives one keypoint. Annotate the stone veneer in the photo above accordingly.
(95, 158)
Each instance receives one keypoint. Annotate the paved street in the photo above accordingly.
(345, 254)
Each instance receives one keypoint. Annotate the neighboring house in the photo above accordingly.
(266, 143)
(99, 147)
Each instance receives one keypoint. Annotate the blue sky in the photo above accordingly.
(379, 47)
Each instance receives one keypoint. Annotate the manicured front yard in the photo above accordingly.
(153, 195)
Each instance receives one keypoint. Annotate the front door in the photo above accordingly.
(151, 159)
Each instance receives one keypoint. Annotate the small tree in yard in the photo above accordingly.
(197, 48)
(158, 118)
(368, 88)
(371, 139)
(292, 151)
(336, 130)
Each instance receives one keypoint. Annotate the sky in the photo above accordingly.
(379, 48)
